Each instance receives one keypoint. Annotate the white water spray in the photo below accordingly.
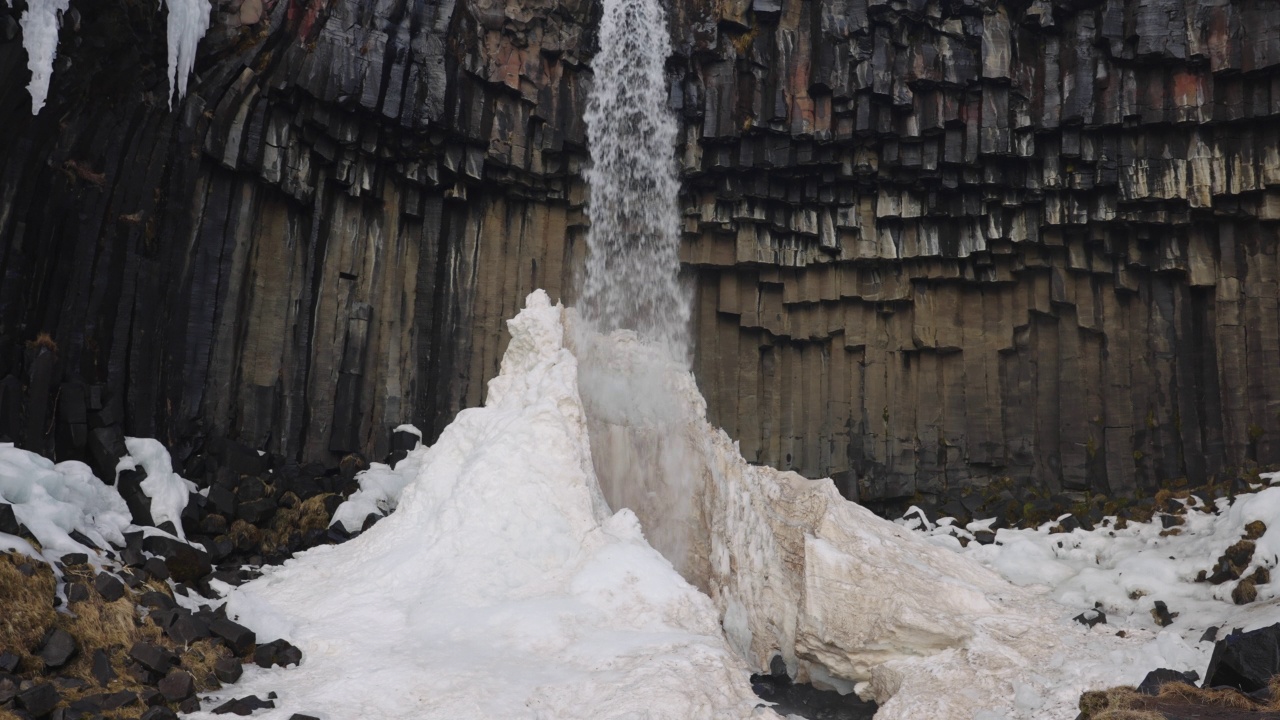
(632, 290)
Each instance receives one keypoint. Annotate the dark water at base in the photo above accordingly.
(809, 702)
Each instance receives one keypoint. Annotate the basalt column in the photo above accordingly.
(933, 244)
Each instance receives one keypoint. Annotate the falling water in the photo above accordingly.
(632, 274)
(635, 311)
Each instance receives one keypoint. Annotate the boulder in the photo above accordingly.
(57, 649)
(108, 586)
(1245, 660)
(177, 686)
(186, 563)
(238, 637)
(153, 657)
(39, 700)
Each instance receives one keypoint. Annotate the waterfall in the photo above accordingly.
(632, 274)
(632, 298)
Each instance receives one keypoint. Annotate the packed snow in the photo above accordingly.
(1124, 571)
(188, 21)
(168, 492)
(54, 500)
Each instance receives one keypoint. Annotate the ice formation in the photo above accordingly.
(188, 21)
(502, 578)
(40, 38)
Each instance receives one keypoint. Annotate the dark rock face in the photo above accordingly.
(932, 245)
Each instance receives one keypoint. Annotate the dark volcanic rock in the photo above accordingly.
(227, 670)
(39, 700)
(1089, 618)
(1245, 660)
(108, 586)
(153, 657)
(186, 564)
(1150, 685)
(159, 712)
(101, 669)
(8, 521)
(243, 706)
(238, 637)
(177, 686)
(276, 652)
(59, 646)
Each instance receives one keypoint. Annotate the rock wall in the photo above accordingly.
(933, 243)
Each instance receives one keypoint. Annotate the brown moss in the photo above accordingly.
(306, 516)
(27, 599)
(1255, 530)
(199, 660)
(244, 535)
(1240, 554)
(44, 341)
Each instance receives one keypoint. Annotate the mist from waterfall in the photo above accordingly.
(632, 294)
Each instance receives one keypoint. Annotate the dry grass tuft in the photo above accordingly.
(199, 660)
(1215, 697)
(43, 341)
(28, 607)
(1128, 714)
(244, 535)
(303, 518)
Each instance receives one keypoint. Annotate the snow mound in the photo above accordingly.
(503, 578)
(52, 501)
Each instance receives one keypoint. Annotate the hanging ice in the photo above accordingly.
(40, 38)
(187, 23)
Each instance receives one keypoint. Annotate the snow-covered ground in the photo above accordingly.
(1124, 571)
(503, 586)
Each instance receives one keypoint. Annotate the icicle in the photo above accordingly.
(188, 22)
(40, 38)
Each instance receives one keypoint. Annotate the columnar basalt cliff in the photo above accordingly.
(933, 243)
